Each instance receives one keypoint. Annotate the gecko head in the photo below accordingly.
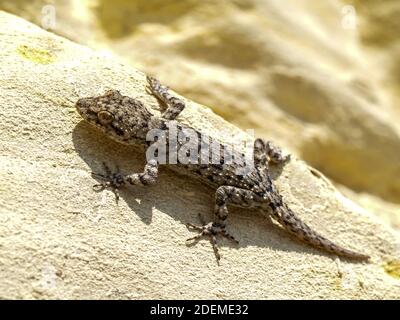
(120, 117)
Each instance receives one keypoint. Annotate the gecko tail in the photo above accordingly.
(289, 221)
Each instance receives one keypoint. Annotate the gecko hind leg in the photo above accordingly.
(223, 196)
(211, 229)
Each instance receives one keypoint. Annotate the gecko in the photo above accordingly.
(129, 122)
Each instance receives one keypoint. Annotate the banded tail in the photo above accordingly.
(287, 218)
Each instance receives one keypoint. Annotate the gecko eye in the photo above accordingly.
(105, 117)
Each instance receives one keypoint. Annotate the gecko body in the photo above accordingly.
(128, 121)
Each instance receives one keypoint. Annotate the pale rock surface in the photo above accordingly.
(60, 239)
(318, 77)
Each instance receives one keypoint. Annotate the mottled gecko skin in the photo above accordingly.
(128, 121)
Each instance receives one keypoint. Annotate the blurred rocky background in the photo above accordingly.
(320, 78)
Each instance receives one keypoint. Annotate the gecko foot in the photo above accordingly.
(112, 180)
(211, 229)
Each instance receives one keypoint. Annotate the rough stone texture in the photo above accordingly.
(295, 71)
(60, 239)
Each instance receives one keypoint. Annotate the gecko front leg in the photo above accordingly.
(115, 180)
(266, 151)
(174, 104)
(223, 196)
